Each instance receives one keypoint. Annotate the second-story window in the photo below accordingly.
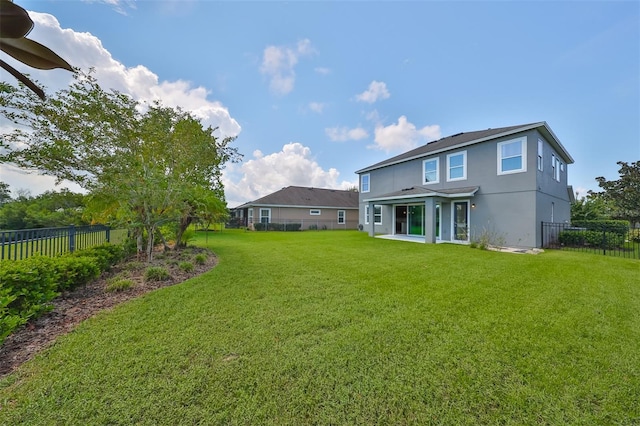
(512, 156)
(431, 171)
(540, 154)
(364, 183)
(457, 166)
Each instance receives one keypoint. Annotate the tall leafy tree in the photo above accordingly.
(144, 165)
(623, 193)
(5, 193)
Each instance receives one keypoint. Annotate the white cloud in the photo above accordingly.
(377, 90)
(342, 134)
(264, 174)
(403, 136)
(84, 50)
(119, 6)
(317, 107)
(278, 63)
(323, 70)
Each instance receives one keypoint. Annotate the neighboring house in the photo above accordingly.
(312, 208)
(496, 183)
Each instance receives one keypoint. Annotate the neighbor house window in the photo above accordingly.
(341, 217)
(457, 166)
(315, 212)
(540, 152)
(364, 183)
(512, 156)
(431, 171)
(251, 215)
(377, 214)
(265, 215)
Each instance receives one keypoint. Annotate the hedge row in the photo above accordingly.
(617, 226)
(27, 286)
(598, 239)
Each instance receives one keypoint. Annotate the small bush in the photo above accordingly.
(313, 227)
(156, 273)
(200, 259)
(615, 226)
(634, 235)
(74, 271)
(186, 266)
(598, 239)
(119, 284)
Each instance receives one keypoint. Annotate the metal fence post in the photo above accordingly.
(72, 238)
(107, 234)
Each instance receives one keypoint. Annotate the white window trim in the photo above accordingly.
(250, 215)
(523, 154)
(464, 166)
(453, 218)
(374, 214)
(315, 212)
(342, 219)
(367, 212)
(368, 176)
(556, 168)
(540, 158)
(424, 171)
(268, 217)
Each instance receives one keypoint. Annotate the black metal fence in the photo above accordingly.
(23, 243)
(293, 225)
(617, 242)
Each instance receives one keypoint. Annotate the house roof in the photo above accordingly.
(423, 192)
(469, 138)
(300, 196)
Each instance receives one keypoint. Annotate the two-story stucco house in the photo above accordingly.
(499, 182)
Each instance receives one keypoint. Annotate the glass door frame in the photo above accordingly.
(453, 220)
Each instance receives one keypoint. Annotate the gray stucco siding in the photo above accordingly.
(507, 218)
(508, 206)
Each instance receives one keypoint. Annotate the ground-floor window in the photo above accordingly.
(341, 217)
(377, 214)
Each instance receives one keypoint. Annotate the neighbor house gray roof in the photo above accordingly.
(469, 138)
(300, 196)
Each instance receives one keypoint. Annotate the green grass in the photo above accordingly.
(340, 328)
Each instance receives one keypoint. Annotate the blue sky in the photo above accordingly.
(317, 90)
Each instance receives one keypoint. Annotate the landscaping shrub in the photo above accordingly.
(106, 255)
(200, 259)
(601, 239)
(26, 288)
(634, 235)
(156, 273)
(28, 285)
(186, 266)
(73, 271)
(119, 284)
(615, 226)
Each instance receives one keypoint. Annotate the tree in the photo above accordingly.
(5, 193)
(144, 166)
(590, 208)
(624, 193)
(47, 210)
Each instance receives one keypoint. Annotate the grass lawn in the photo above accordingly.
(339, 328)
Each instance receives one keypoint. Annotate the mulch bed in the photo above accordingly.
(73, 307)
